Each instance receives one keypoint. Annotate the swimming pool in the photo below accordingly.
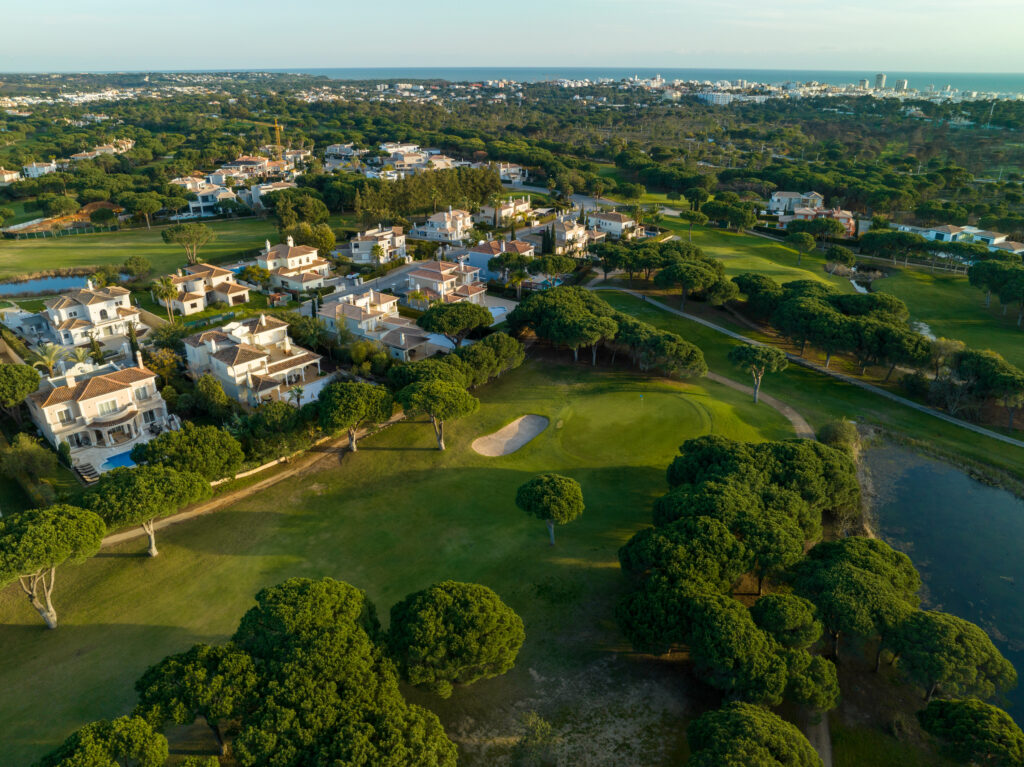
(118, 460)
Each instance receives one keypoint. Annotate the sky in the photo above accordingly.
(908, 35)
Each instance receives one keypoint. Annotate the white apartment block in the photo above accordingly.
(374, 316)
(443, 281)
(504, 211)
(784, 203)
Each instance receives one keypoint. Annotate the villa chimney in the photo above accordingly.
(138, 359)
(502, 244)
(88, 284)
(263, 317)
(287, 344)
(267, 244)
(401, 339)
(213, 346)
(248, 378)
(69, 380)
(290, 241)
(449, 210)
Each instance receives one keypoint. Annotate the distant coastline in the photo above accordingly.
(969, 81)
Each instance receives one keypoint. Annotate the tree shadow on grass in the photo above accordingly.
(56, 681)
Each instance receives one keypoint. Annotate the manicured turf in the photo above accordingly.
(393, 518)
(234, 238)
(861, 746)
(954, 309)
(821, 399)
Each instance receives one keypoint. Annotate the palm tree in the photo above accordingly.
(165, 290)
(295, 394)
(517, 278)
(80, 354)
(47, 357)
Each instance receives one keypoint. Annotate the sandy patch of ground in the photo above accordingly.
(512, 437)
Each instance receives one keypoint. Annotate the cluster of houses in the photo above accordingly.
(244, 180)
(398, 159)
(994, 241)
(39, 169)
(808, 206)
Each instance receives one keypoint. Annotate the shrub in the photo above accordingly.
(841, 434)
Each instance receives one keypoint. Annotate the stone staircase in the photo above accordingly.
(87, 472)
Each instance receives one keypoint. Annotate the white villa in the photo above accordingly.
(449, 226)
(479, 255)
(294, 267)
(374, 316)
(253, 196)
(451, 283)
(994, 241)
(504, 211)
(254, 360)
(100, 411)
(390, 239)
(200, 285)
(9, 176)
(787, 202)
(615, 225)
(570, 237)
(37, 169)
(189, 183)
(208, 197)
(72, 318)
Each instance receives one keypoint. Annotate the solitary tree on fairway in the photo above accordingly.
(215, 682)
(455, 321)
(975, 732)
(453, 633)
(748, 735)
(802, 242)
(16, 383)
(553, 498)
(142, 494)
(348, 405)
(758, 360)
(129, 741)
(441, 400)
(34, 543)
(191, 236)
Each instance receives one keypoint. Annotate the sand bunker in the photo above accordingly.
(512, 437)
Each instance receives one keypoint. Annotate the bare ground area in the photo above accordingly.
(510, 438)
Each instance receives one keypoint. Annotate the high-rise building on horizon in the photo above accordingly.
(901, 85)
(863, 83)
(880, 81)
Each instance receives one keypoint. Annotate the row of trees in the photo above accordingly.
(310, 677)
(576, 318)
(873, 327)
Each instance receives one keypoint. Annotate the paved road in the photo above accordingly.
(832, 373)
(579, 200)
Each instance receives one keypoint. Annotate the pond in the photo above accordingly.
(45, 285)
(965, 538)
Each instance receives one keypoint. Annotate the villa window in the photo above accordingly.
(108, 407)
(64, 416)
(142, 393)
(103, 314)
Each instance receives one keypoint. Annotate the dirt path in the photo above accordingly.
(800, 425)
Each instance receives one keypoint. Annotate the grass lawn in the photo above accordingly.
(952, 308)
(820, 398)
(234, 238)
(393, 518)
(860, 746)
(20, 214)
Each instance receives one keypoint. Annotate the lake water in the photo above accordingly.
(42, 285)
(966, 539)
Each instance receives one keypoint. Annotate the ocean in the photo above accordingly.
(1004, 83)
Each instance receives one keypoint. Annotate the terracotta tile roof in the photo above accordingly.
(617, 218)
(97, 386)
(231, 287)
(493, 247)
(239, 353)
(302, 359)
(207, 269)
(263, 322)
(72, 324)
(209, 335)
